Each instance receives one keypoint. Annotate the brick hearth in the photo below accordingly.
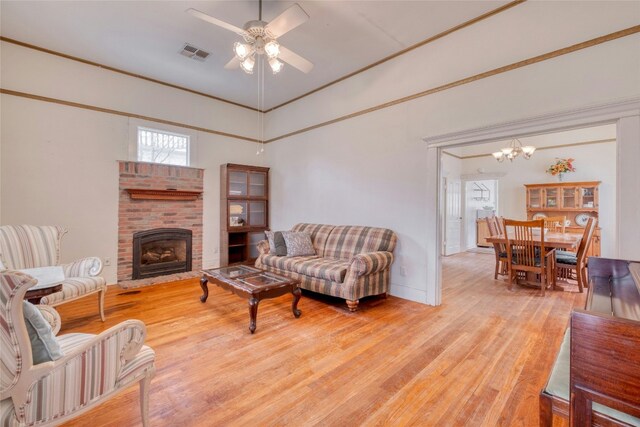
(140, 215)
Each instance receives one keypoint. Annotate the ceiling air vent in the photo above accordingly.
(190, 51)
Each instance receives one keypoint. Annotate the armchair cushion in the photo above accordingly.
(74, 287)
(45, 275)
(44, 346)
(371, 262)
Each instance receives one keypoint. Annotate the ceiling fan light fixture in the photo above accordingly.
(241, 50)
(272, 49)
(276, 66)
(247, 65)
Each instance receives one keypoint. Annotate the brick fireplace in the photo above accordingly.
(161, 207)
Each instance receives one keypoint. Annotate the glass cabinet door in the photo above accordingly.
(238, 182)
(257, 214)
(257, 184)
(551, 198)
(569, 197)
(238, 214)
(535, 198)
(589, 197)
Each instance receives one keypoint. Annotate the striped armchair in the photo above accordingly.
(30, 246)
(92, 369)
(351, 262)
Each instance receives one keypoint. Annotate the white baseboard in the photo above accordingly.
(405, 292)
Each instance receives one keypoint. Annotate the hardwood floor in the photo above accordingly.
(479, 359)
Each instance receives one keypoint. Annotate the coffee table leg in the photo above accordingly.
(294, 305)
(205, 289)
(253, 313)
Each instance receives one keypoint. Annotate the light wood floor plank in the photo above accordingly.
(479, 359)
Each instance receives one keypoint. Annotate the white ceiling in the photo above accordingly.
(144, 37)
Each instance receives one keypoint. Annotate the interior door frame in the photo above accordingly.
(625, 114)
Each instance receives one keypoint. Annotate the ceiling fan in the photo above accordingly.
(261, 39)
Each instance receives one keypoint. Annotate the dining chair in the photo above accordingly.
(526, 252)
(578, 261)
(499, 248)
(555, 223)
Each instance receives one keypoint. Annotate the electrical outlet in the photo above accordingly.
(403, 270)
(107, 261)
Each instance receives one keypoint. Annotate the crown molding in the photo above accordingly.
(405, 50)
(347, 76)
(432, 141)
(123, 113)
(126, 73)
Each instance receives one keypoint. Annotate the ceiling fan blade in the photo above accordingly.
(287, 21)
(214, 21)
(233, 64)
(295, 60)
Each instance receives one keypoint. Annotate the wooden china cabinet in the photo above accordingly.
(244, 211)
(577, 201)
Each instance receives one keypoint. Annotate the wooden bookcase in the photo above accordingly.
(244, 211)
(569, 199)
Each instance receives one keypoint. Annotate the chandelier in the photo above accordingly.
(514, 149)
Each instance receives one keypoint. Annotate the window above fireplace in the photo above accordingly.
(158, 146)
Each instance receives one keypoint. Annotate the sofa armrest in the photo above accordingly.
(102, 356)
(85, 267)
(371, 262)
(51, 316)
(263, 247)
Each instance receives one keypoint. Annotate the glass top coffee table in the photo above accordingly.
(253, 284)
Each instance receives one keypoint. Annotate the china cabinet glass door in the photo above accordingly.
(238, 214)
(551, 198)
(257, 214)
(257, 184)
(535, 198)
(589, 197)
(569, 197)
(238, 182)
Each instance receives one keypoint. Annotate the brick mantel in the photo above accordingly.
(147, 213)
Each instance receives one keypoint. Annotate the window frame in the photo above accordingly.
(143, 128)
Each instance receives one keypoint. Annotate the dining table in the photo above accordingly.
(552, 240)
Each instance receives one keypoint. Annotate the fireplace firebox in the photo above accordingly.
(161, 251)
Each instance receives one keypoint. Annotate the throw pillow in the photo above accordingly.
(44, 346)
(298, 244)
(46, 275)
(281, 245)
(272, 244)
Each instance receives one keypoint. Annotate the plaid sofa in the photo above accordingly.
(351, 262)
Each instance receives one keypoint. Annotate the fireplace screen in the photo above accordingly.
(161, 251)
